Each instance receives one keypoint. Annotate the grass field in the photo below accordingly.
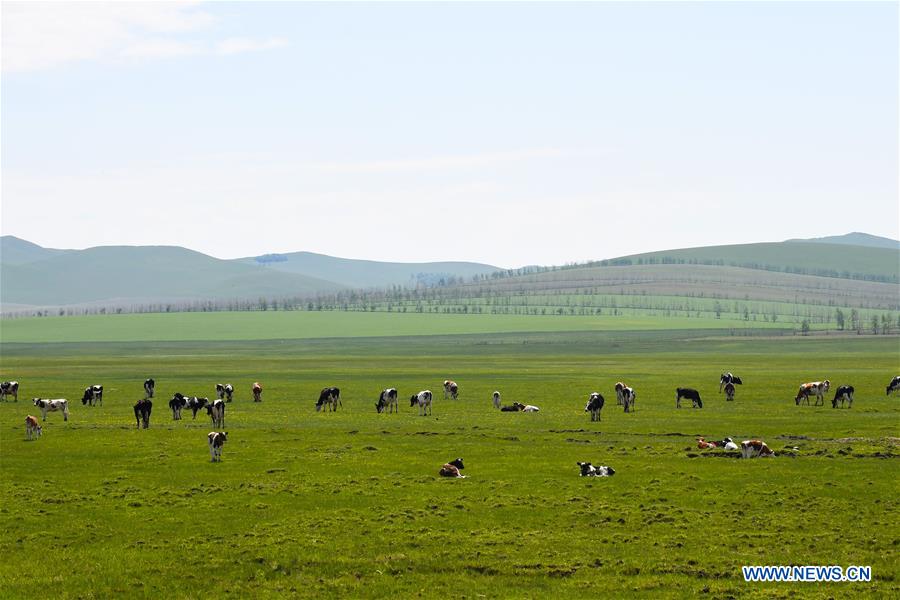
(349, 504)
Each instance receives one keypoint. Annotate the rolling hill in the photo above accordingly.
(16, 251)
(855, 238)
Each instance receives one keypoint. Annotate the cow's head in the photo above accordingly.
(826, 384)
(610, 471)
(458, 463)
(37, 401)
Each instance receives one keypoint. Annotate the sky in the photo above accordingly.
(506, 133)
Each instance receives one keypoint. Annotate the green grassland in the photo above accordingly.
(349, 504)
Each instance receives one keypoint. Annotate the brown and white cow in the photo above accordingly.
(754, 449)
(33, 429)
(52, 405)
(452, 469)
(257, 392)
(451, 390)
(815, 388)
(216, 440)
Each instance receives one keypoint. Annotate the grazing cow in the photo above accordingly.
(33, 429)
(594, 405)
(729, 392)
(177, 404)
(727, 378)
(191, 402)
(93, 394)
(216, 440)
(619, 387)
(844, 393)
(142, 409)
(514, 407)
(755, 448)
(387, 401)
(423, 399)
(329, 398)
(257, 392)
(589, 470)
(9, 388)
(727, 443)
(817, 388)
(224, 392)
(628, 396)
(452, 469)
(496, 399)
(47, 405)
(689, 393)
(216, 412)
(149, 388)
(892, 387)
(451, 390)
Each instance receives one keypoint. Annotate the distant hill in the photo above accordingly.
(369, 273)
(855, 239)
(16, 251)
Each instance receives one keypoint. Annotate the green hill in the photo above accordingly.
(16, 251)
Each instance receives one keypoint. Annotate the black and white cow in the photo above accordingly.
(142, 410)
(514, 407)
(423, 399)
(843, 394)
(149, 388)
(894, 385)
(177, 404)
(387, 401)
(729, 392)
(689, 393)
(93, 395)
(727, 378)
(329, 398)
(619, 387)
(496, 399)
(9, 388)
(452, 469)
(224, 392)
(589, 470)
(216, 440)
(195, 404)
(257, 392)
(216, 412)
(628, 396)
(52, 405)
(594, 405)
(451, 390)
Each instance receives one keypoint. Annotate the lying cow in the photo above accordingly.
(727, 378)
(224, 392)
(594, 405)
(496, 399)
(216, 412)
(729, 392)
(54, 405)
(256, 390)
(9, 388)
(530, 408)
(149, 388)
(892, 387)
(387, 401)
(93, 394)
(816, 388)
(754, 449)
(514, 407)
(423, 399)
(843, 394)
(216, 441)
(329, 398)
(451, 390)
(589, 470)
(33, 429)
(727, 444)
(452, 469)
(689, 393)
(142, 409)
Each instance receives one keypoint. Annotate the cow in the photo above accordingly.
(530, 408)
(142, 409)
(729, 392)
(177, 404)
(727, 378)
(452, 469)
(755, 448)
(727, 443)
(387, 401)
(594, 405)
(843, 394)
(689, 393)
(628, 395)
(589, 470)
(514, 407)
(195, 404)
(892, 387)
(33, 429)
(93, 394)
(817, 388)
(329, 398)
(496, 399)
(451, 390)
(224, 392)
(619, 387)
(216, 441)
(9, 388)
(149, 388)
(216, 412)
(52, 405)
(423, 399)
(257, 392)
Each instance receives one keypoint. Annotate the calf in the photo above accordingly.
(844, 393)
(755, 448)
(142, 409)
(727, 443)
(817, 388)
(93, 394)
(9, 388)
(54, 405)
(149, 388)
(329, 398)
(387, 401)
(689, 393)
(177, 404)
(729, 392)
(33, 429)
(628, 396)
(594, 405)
(892, 387)
(224, 392)
(216, 412)
(216, 441)
(257, 392)
(452, 469)
(423, 399)
(451, 390)
(589, 470)
(496, 399)
(727, 378)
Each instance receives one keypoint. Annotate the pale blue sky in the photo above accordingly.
(505, 133)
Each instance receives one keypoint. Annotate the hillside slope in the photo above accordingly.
(16, 251)
(855, 238)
